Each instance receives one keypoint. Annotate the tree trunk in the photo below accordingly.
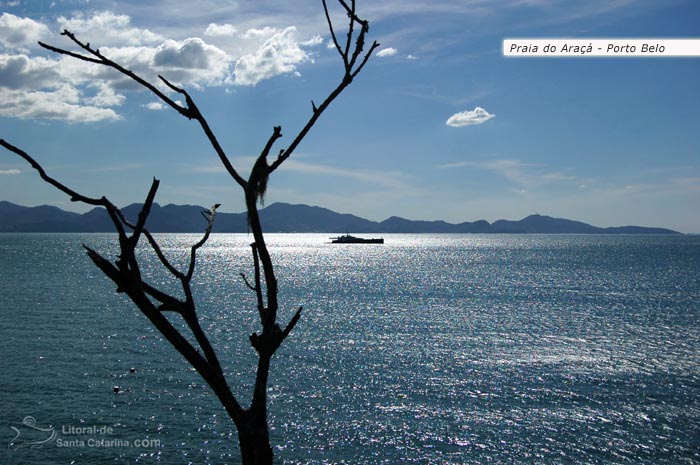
(254, 441)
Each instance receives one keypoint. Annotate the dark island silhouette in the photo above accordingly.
(284, 217)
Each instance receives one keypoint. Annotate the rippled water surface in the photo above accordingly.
(430, 349)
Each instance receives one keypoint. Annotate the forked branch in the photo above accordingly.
(349, 55)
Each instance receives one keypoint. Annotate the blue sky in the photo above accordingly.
(609, 141)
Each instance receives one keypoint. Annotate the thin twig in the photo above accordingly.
(351, 15)
(333, 36)
(258, 284)
(143, 214)
(350, 74)
(207, 232)
(161, 256)
(247, 283)
(292, 323)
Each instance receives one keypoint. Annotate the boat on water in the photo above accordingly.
(348, 239)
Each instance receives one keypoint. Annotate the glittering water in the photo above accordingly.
(430, 349)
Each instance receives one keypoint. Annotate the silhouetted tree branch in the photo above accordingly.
(125, 272)
(189, 111)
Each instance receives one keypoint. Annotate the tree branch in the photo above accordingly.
(351, 15)
(74, 196)
(349, 61)
(143, 214)
(258, 284)
(246, 282)
(193, 252)
(112, 210)
(375, 44)
(102, 60)
(161, 256)
(333, 36)
(292, 323)
(189, 112)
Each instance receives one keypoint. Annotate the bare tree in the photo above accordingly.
(154, 303)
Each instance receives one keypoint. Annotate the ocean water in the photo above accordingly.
(430, 349)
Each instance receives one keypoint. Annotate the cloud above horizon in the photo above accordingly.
(62, 88)
(469, 117)
(524, 175)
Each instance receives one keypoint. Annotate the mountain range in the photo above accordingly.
(284, 217)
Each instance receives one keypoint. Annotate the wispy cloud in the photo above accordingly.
(431, 93)
(390, 179)
(386, 179)
(387, 52)
(9, 172)
(114, 168)
(469, 117)
(243, 164)
(671, 186)
(521, 174)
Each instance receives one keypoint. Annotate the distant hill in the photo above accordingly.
(283, 217)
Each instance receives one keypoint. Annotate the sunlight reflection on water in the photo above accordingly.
(427, 349)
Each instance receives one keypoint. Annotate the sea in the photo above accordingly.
(428, 349)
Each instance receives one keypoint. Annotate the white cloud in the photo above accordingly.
(61, 87)
(220, 30)
(23, 72)
(191, 53)
(260, 33)
(411, 57)
(155, 106)
(279, 54)
(476, 116)
(192, 61)
(105, 97)
(107, 28)
(20, 33)
(9, 172)
(312, 42)
(75, 91)
(387, 52)
(63, 103)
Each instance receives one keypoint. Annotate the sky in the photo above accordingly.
(438, 125)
